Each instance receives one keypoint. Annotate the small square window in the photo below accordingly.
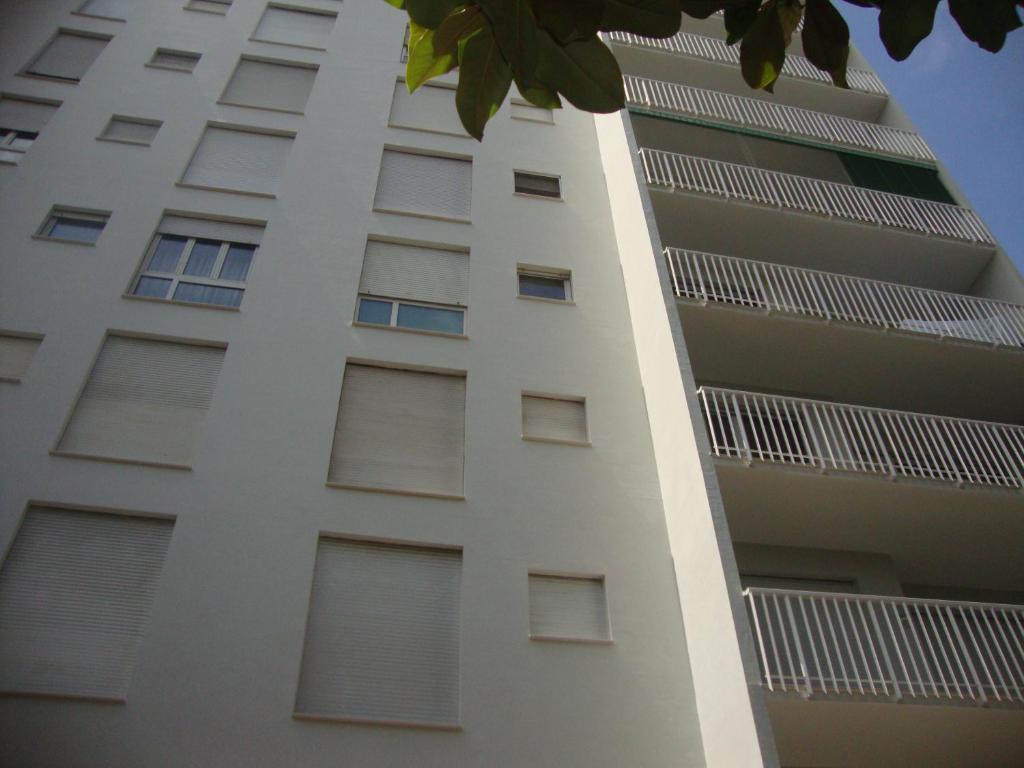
(71, 225)
(130, 130)
(538, 184)
(555, 419)
(551, 285)
(219, 7)
(179, 61)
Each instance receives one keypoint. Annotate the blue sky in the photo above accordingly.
(969, 106)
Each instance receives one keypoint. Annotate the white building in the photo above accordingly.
(333, 436)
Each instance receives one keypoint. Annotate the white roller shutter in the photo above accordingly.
(554, 419)
(124, 129)
(270, 85)
(400, 430)
(144, 400)
(108, 9)
(414, 272)
(68, 56)
(424, 184)
(75, 595)
(431, 108)
(382, 639)
(210, 229)
(16, 353)
(568, 607)
(242, 160)
(24, 115)
(293, 26)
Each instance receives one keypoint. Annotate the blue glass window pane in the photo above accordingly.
(236, 263)
(152, 286)
(542, 287)
(201, 259)
(209, 294)
(430, 318)
(167, 254)
(377, 312)
(82, 230)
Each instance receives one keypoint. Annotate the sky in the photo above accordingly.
(969, 106)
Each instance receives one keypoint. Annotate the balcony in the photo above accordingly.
(828, 297)
(807, 126)
(714, 49)
(831, 437)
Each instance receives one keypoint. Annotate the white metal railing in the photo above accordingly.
(714, 49)
(841, 645)
(799, 193)
(851, 438)
(709, 277)
(758, 114)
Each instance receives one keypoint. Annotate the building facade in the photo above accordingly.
(688, 435)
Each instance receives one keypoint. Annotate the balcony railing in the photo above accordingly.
(799, 193)
(849, 438)
(708, 277)
(818, 127)
(830, 645)
(713, 49)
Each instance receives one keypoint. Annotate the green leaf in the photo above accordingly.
(650, 18)
(430, 13)
(585, 72)
(569, 21)
(539, 95)
(515, 32)
(763, 49)
(484, 80)
(460, 23)
(790, 13)
(902, 24)
(986, 22)
(424, 62)
(738, 19)
(826, 39)
(399, 4)
(701, 9)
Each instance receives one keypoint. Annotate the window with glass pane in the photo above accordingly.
(74, 226)
(420, 317)
(544, 285)
(538, 184)
(13, 144)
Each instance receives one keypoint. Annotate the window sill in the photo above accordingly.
(179, 303)
(206, 10)
(453, 727)
(261, 109)
(418, 331)
(119, 460)
(563, 302)
(558, 441)
(247, 193)
(169, 69)
(52, 695)
(396, 491)
(574, 640)
(123, 141)
(558, 199)
(417, 215)
(288, 45)
(64, 240)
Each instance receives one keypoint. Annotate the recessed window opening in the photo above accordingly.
(75, 226)
(14, 144)
(181, 61)
(540, 284)
(538, 184)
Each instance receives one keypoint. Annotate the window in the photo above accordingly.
(431, 108)
(75, 594)
(16, 353)
(116, 10)
(130, 130)
(21, 121)
(400, 430)
(300, 27)
(73, 225)
(555, 419)
(898, 178)
(382, 637)
(537, 184)
(209, 6)
(540, 283)
(144, 401)
(264, 84)
(404, 56)
(568, 608)
(235, 160)
(523, 110)
(424, 185)
(198, 260)
(412, 286)
(179, 61)
(68, 55)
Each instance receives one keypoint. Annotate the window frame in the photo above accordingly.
(517, 172)
(191, 5)
(288, 7)
(191, 55)
(314, 68)
(125, 119)
(392, 324)
(579, 399)
(59, 212)
(531, 270)
(27, 71)
(7, 141)
(572, 576)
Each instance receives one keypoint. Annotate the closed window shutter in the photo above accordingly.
(295, 27)
(210, 229)
(110, 9)
(416, 273)
(16, 353)
(431, 108)
(424, 184)
(382, 638)
(75, 594)
(271, 86)
(24, 115)
(130, 130)
(568, 607)
(400, 430)
(554, 419)
(240, 160)
(145, 400)
(68, 56)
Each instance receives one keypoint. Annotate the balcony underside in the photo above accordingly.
(705, 223)
(935, 532)
(882, 735)
(848, 363)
